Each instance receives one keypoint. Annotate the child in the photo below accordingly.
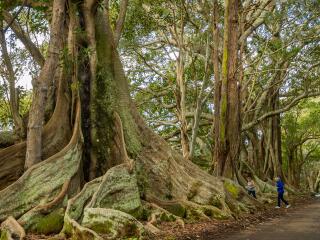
(280, 189)
(251, 188)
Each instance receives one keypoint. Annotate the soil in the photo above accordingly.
(234, 228)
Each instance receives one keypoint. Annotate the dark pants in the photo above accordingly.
(252, 192)
(280, 198)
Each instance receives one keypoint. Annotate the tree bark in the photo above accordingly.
(36, 116)
(14, 104)
(217, 86)
(228, 137)
(180, 95)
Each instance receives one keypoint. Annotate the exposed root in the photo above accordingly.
(74, 211)
(11, 163)
(11, 229)
(120, 143)
(25, 193)
(151, 228)
(108, 207)
(93, 210)
(56, 135)
(118, 190)
(155, 214)
(111, 223)
(43, 187)
(56, 200)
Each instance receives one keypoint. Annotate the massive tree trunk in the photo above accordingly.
(227, 138)
(131, 173)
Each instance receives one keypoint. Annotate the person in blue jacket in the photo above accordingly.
(280, 189)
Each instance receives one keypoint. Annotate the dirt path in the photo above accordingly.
(269, 223)
(301, 224)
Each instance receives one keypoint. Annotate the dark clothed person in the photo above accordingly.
(280, 190)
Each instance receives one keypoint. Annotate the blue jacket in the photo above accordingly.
(280, 186)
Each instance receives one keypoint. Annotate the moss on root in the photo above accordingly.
(164, 217)
(232, 188)
(5, 235)
(215, 201)
(214, 212)
(177, 209)
(193, 190)
(48, 224)
(119, 190)
(115, 224)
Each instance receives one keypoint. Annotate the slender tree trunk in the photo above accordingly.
(291, 165)
(181, 105)
(201, 99)
(217, 82)
(257, 152)
(276, 130)
(13, 99)
(272, 131)
(37, 110)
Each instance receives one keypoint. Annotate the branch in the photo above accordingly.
(14, 17)
(260, 16)
(150, 67)
(24, 38)
(178, 131)
(10, 4)
(120, 21)
(281, 110)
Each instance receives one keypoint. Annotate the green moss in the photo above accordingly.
(232, 189)
(193, 190)
(120, 191)
(167, 217)
(176, 209)
(214, 213)
(103, 227)
(216, 202)
(67, 227)
(51, 223)
(142, 180)
(170, 238)
(136, 212)
(4, 235)
(193, 215)
(145, 214)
